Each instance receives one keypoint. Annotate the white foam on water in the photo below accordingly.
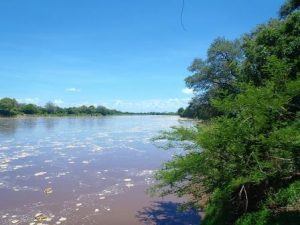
(61, 219)
(60, 174)
(145, 173)
(40, 174)
(129, 185)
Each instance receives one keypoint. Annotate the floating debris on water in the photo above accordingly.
(48, 191)
(40, 217)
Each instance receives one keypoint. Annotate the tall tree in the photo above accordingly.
(213, 77)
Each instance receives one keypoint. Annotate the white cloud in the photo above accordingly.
(58, 102)
(73, 89)
(29, 100)
(188, 91)
(148, 105)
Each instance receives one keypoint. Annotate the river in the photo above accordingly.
(84, 170)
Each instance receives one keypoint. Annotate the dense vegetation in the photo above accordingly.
(10, 107)
(243, 165)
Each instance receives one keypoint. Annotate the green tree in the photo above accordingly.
(213, 77)
(219, 70)
(91, 110)
(289, 7)
(8, 107)
(104, 111)
(243, 167)
(30, 109)
(180, 111)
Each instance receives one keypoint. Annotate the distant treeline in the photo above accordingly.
(10, 107)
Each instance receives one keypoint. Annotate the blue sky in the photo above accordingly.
(129, 55)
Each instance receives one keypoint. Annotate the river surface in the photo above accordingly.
(84, 170)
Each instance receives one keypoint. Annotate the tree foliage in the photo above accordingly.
(288, 7)
(8, 107)
(243, 166)
(213, 77)
(29, 109)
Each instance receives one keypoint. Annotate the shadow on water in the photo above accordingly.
(167, 213)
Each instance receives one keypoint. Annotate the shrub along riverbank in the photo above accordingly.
(243, 166)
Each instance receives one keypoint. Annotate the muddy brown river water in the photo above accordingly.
(84, 170)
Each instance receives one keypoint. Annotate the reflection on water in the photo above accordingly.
(74, 170)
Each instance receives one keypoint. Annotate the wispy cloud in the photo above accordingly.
(188, 91)
(72, 89)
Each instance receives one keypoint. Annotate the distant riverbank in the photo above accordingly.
(9, 107)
